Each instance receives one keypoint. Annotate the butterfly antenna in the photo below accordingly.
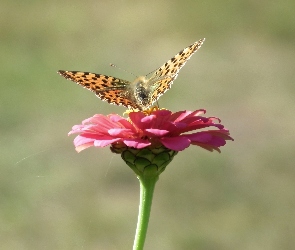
(151, 72)
(113, 65)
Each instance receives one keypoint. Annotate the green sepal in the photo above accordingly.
(145, 162)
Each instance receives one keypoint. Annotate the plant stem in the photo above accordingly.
(147, 186)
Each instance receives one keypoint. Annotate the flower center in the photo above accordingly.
(147, 112)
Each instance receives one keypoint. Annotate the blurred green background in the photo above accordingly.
(54, 198)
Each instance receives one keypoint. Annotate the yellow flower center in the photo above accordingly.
(146, 111)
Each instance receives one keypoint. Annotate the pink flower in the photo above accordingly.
(159, 127)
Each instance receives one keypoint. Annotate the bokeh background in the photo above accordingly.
(53, 198)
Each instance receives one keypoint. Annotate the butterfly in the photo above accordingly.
(140, 94)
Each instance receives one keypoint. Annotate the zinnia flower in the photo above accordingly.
(148, 142)
(159, 127)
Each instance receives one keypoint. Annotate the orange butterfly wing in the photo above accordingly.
(163, 78)
(107, 88)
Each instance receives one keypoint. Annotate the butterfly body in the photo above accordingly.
(140, 94)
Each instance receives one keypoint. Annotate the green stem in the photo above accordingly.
(147, 186)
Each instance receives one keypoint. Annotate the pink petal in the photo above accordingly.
(136, 143)
(103, 143)
(197, 112)
(115, 118)
(82, 147)
(82, 143)
(93, 129)
(179, 116)
(76, 129)
(97, 119)
(177, 143)
(199, 137)
(156, 132)
(146, 122)
(109, 121)
(162, 112)
(119, 132)
(96, 136)
(81, 140)
(161, 117)
(136, 117)
(217, 141)
(199, 125)
(126, 124)
(223, 133)
(207, 138)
